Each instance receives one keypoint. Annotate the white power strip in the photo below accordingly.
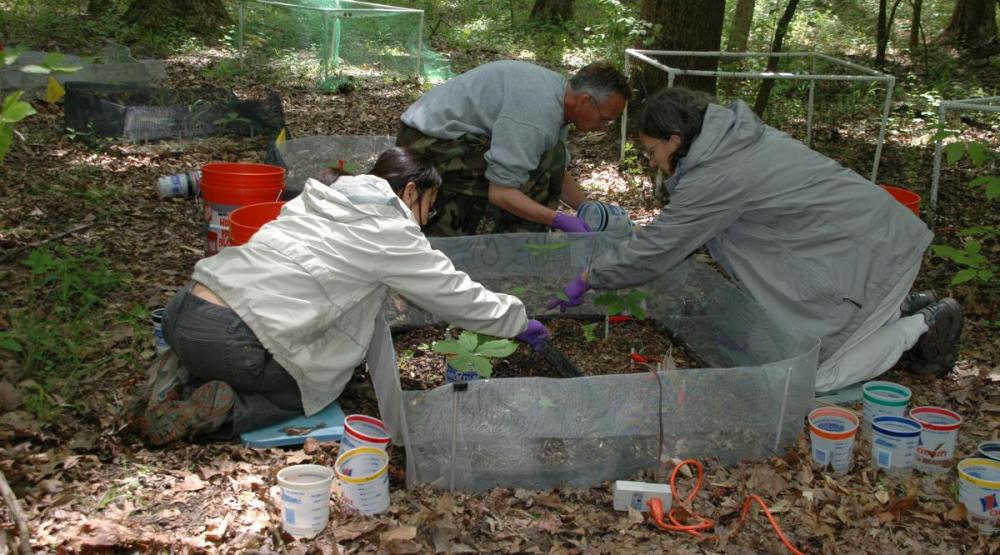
(634, 495)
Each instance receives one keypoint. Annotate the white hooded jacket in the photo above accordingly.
(311, 284)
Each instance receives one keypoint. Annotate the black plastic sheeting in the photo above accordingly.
(139, 113)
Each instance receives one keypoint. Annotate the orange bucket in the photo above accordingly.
(906, 197)
(245, 221)
(226, 186)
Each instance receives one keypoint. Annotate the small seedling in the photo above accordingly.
(590, 332)
(473, 352)
(617, 304)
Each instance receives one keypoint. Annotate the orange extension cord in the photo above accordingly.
(656, 509)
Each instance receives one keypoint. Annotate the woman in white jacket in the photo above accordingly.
(274, 328)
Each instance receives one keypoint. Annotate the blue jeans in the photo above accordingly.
(213, 343)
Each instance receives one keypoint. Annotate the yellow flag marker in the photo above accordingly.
(54, 91)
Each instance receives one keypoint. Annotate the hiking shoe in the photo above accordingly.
(917, 300)
(937, 350)
(204, 411)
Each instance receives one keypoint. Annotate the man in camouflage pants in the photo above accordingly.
(497, 135)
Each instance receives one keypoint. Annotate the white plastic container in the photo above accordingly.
(937, 438)
(305, 499)
(364, 479)
(883, 398)
(157, 318)
(832, 431)
(894, 444)
(187, 184)
(979, 490)
(363, 431)
(601, 216)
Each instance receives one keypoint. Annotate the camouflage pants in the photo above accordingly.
(463, 207)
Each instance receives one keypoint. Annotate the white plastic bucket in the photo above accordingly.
(305, 499)
(990, 450)
(601, 216)
(881, 398)
(161, 343)
(364, 479)
(937, 438)
(979, 490)
(364, 431)
(894, 444)
(832, 431)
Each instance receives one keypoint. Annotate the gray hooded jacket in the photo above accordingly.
(814, 243)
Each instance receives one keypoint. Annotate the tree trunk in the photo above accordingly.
(552, 10)
(772, 63)
(918, 6)
(739, 33)
(973, 27)
(206, 17)
(883, 30)
(686, 26)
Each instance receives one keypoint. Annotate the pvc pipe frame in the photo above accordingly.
(812, 77)
(984, 104)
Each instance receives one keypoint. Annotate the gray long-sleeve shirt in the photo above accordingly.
(816, 244)
(517, 104)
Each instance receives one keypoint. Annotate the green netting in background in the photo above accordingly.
(334, 40)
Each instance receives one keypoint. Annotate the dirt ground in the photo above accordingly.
(86, 484)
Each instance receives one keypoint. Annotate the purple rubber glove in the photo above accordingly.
(574, 294)
(570, 224)
(535, 335)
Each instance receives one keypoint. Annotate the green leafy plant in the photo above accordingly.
(615, 304)
(474, 352)
(52, 62)
(973, 263)
(14, 110)
(590, 332)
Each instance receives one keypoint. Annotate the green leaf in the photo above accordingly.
(945, 251)
(973, 246)
(32, 68)
(447, 347)
(605, 299)
(636, 296)
(8, 57)
(15, 110)
(964, 276)
(497, 348)
(954, 152)
(993, 190)
(562, 296)
(637, 311)
(985, 275)
(8, 343)
(463, 362)
(518, 291)
(482, 366)
(941, 135)
(977, 153)
(468, 341)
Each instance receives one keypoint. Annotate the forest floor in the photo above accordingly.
(86, 483)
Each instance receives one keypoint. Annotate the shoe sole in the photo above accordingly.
(935, 360)
(929, 295)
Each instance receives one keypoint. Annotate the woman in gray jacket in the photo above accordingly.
(275, 327)
(818, 246)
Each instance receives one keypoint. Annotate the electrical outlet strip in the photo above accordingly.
(635, 495)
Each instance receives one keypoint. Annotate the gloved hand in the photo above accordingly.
(535, 335)
(570, 224)
(574, 294)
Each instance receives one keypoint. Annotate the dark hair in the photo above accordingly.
(675, 111)
(400, 165)
(600, 80)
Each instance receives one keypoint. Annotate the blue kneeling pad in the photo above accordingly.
(325, 425)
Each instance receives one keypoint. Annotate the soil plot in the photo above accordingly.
(579, 340)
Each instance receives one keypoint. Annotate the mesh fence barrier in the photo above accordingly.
(749, 401)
